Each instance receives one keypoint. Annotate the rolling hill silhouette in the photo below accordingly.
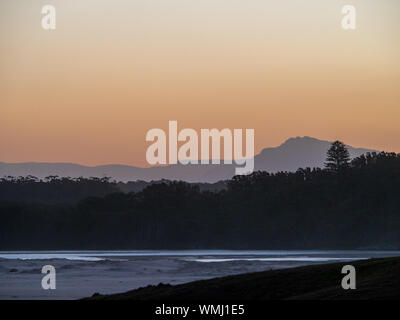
(294, 153)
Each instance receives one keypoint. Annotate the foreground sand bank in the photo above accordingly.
(376, 279)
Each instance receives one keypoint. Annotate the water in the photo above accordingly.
(82, 273)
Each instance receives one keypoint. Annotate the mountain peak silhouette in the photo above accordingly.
(294, 153)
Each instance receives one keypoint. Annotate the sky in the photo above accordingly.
(89, 91)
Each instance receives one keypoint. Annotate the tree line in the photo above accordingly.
(346, 205)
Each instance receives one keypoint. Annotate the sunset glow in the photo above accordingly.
(89, 91)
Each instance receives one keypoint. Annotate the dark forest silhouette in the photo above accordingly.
(348, 205)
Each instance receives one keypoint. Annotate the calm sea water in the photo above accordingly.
(82, 273)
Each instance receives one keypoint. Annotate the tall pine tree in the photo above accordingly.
(337, 157)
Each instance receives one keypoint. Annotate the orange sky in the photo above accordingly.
(112, 70)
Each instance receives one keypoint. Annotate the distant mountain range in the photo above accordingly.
(294, 153)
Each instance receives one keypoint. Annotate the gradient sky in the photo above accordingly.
(112, 70)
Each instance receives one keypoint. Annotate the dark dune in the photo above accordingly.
(376, 279)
